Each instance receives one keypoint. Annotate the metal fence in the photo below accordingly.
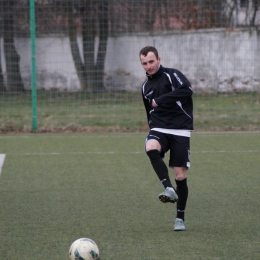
(72, 65)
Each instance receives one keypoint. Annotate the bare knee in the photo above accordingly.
(180, 173)
(152, 145)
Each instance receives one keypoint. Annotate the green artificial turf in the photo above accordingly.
(57, 188)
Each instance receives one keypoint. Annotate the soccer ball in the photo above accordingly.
(84, 249)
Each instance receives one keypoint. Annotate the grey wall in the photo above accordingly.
(213, 60)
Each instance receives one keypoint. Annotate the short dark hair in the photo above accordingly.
(147, 49)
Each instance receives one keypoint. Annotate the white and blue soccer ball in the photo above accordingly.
(84, 249)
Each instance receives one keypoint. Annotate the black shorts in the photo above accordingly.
(179, 147)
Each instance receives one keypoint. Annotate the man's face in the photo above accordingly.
(150, 63)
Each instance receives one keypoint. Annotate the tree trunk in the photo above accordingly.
(80, 68)
(255, 4)
(12, 58)
(103, 36)
(149, 15)
(2, 86)
(88, 38)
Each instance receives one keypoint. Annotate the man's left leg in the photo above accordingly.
(182, 191)
(180, 162)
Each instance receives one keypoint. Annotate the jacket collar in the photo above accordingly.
(159, 72)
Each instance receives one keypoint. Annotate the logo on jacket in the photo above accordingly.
(177, 77)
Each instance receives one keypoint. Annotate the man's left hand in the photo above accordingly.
(154, 104)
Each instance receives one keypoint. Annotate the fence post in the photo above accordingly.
(33, 64)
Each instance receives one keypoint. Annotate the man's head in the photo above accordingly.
(150, 59)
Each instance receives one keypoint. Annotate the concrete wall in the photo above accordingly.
(213, 60)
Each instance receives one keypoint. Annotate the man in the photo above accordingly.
(167, 97)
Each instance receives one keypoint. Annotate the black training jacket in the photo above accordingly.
(172, 92)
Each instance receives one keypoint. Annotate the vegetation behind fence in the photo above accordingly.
(85, 21)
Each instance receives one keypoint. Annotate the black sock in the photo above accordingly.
(159, 167)
(182, 191)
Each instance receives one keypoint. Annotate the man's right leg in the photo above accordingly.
(152, 148)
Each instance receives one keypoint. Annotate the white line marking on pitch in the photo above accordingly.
(2, 159)
(136, 152)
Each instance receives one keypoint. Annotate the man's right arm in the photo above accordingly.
(147, 107)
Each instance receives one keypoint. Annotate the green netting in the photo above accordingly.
(87, 71)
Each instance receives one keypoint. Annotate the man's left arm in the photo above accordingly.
(181, 90)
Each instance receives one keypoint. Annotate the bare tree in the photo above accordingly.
(94, 22)
(103, 24)
(231, 9)
(88, 42)
(2, 86)
(249, 8)
(12, 58)
(79, 64)
(255, 7)
(150, 15)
